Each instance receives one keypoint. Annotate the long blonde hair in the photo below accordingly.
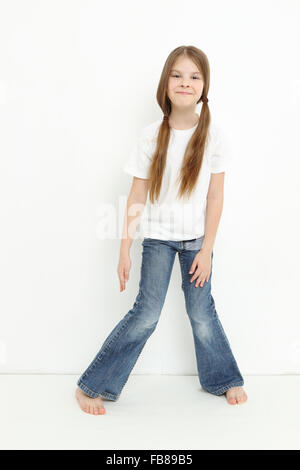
(193, 156)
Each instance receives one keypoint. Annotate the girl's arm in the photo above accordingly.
(135, 205)
(214, 209)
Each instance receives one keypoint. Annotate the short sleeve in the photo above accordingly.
(219, 151)
(139, 160)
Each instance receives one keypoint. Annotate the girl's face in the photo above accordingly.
(185, 77)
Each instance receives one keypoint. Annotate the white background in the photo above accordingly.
(78, 81)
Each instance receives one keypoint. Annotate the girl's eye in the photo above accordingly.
(175, 76)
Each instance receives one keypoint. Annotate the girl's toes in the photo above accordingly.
(242, 398)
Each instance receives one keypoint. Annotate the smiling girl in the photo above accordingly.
(179, 162)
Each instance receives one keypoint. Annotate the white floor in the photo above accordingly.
(153, 412)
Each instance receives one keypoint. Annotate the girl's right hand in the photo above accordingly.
(123, 269)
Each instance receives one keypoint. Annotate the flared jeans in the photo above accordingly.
(217, 369)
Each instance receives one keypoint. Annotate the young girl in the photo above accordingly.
(180, 160)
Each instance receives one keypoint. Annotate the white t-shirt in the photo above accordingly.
(171, 218)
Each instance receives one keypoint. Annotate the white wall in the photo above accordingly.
(78, 81)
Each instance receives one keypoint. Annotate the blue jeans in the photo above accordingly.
(109, 371)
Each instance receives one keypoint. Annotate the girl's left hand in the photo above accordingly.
(202, 265)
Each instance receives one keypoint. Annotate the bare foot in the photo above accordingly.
(90, 405)
(236, 396)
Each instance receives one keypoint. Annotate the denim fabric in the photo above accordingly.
(109, 371)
